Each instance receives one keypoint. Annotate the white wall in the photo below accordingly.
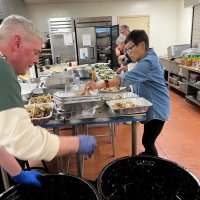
(188, 3)
(165, 23)
(13, 7)
(184, 23)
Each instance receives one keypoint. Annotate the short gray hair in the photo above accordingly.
(16, 24)
(124, 26)
(121, 39)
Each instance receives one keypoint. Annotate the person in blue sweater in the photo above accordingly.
(147, 79)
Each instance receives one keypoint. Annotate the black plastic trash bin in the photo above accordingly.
(147, 178)
(54, 187)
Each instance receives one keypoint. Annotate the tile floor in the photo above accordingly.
(179, 141)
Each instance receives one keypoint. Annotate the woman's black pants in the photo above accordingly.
(151, 131)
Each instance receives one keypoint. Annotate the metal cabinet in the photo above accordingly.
(94, 39)
(193, 89)
(183, 79)
(175, 76)
(62, 38)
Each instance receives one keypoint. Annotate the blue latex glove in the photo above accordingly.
(87, 145)
(28, 177)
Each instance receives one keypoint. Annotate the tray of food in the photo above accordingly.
(112, 89)
(77, 95)
(120, 95)
(129, 106)
(71, 101)
(40, 113)
(41, 99)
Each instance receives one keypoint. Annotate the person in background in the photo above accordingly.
(147, 78)
(123, 30)
(123, 58)
(20, 45)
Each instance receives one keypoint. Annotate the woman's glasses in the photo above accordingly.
(129, 50)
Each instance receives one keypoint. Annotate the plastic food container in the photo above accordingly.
(182, 85)
(174, 80)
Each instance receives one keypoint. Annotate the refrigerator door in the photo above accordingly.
(62, 38)
(103, 44)
(114, 36)
(86, 45)
(63, 47)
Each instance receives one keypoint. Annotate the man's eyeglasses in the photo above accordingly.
(129, 50)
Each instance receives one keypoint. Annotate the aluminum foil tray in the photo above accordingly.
(141, 106)
(73, 106)
(70, 97)
(120, 95)
(78, 114)
(41, 120)
(112, 90)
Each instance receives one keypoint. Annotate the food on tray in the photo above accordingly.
(38, 111)
(109, 97)
(42, 99)
(110, 89)
(126, 104)
(84, 93)
(57, 69)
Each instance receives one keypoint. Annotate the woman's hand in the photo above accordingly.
(121, 59)
(120, 69)
(91, 85)
(94, 85)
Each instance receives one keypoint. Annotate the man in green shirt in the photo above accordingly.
(20, 45)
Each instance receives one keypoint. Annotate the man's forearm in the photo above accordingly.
(9, 163)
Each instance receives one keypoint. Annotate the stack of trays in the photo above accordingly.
(70, 102)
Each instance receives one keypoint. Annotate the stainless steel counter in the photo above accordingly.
(102, 115)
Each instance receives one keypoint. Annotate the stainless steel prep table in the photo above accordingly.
(102, 115)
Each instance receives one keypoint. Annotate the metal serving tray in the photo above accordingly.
(67, 102)
(74, 106)
(120, 95)
(83, 71)
(72, 96)
(78, 114)
(141, 106)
